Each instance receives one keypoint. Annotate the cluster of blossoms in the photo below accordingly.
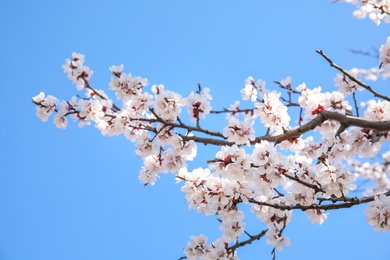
(378, 213)
(198, 249)
(239, 132)
(347, 85)
(312, 172)
(124, 85)
(384, 57)
(77, 72)
(376, 10)
(46, 105)
(198, 105)
(273, 174)
(272, 112)
(378, 173)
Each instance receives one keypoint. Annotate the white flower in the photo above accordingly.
(165, 135)
(376, 10)
(249, 92)
(262, 152)
(272, 112)
(149, 172)
(239, 132)
(378, 213)
(91, 110)
(316, 216)
(124, 85)
(217, 250)
(60, 119)
(334, 179)
(377, 110)
(233, 163)
(45, 106)
(138, 105)
(116, 69)
(187, 149)
(167, 104)
(76, 71)
(143, 143)
(275, 239)
(198, 105)
(171, 161)
(197, 247)
(232, 225)
(345, 84)
(286, 82)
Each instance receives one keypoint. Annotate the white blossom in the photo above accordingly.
(197, 247)
(378, 213)
(275, 239)
(60, 119)
(239, 132)
(149, 172)
(198, 105)
(287, 166)
(45, 106)
(167, 104)
(273, 114)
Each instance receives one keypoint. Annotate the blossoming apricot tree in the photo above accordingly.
(286, 169)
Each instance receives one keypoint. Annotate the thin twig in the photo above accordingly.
(87, 85)
(355, 102)
(249, 110)
(248, 241)
(334, 65)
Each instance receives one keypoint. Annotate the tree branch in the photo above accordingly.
(350, 203)
(381, 126)
(188, 127)
(334, 65)
(88, 86)
(246, 111)
(248, 241)
(312, 186)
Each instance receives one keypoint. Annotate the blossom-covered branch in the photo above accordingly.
(294, 148)
(380, 127)
(334, 65)
(376, 10)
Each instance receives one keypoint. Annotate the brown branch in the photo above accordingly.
(289, 102)
(39, 104)
(309, 185)
(381, 8)
(188, 127)
(88, 86)
(247, 242)
(365, 53)
(381, 126)
(246, 111)
(322, 117)
(368, 88)
(350, 202)
(288, 88)
(357, 121)
(356, 105)
(56, 110)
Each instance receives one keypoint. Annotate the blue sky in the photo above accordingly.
(74, 194)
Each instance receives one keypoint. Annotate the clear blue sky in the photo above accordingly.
(74, 194)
